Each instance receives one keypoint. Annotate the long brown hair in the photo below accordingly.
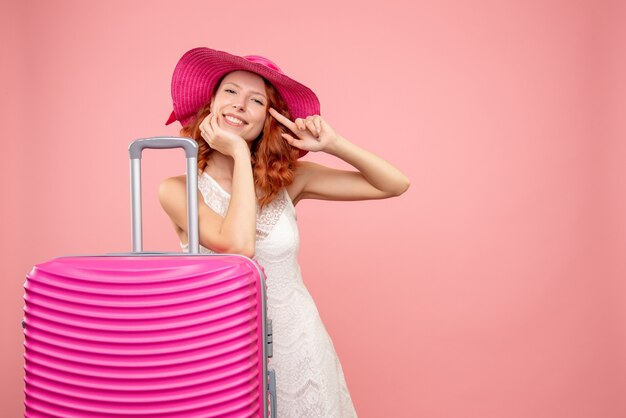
(273, 159)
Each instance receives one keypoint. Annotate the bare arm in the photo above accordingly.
(239, 224)
(236, 231)
(375, 178)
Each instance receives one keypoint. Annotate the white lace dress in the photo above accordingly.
(309, 378)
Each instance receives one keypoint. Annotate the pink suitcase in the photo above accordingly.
(148, 334)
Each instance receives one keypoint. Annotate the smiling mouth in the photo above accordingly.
(233, 121)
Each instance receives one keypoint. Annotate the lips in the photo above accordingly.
(234, 120)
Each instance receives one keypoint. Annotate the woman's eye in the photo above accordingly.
(230, 91)
(259, 102)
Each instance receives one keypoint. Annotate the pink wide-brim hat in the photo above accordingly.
(198, 71)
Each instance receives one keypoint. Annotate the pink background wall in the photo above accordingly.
(495, 287)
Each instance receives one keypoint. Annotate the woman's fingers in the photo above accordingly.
(283, 120)
(300, 124)
(311, 125)
(213, 123)
(207, 129)
(206, 123)
(291, 140)
(318, 124)
(204, 133)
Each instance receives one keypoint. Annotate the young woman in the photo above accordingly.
(252, 123)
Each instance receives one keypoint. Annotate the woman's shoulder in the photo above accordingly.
(304, 170)
(171, 187)
(172, 197)
(307, 168)
(174, 181)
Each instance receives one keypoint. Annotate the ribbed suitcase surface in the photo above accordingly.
(145, 336)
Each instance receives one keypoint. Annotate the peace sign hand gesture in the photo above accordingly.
(312, 133)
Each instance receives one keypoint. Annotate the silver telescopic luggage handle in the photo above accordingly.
(191, 154)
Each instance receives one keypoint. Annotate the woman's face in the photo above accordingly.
(240, 104)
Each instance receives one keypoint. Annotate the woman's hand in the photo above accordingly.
(311, 134)
(221, 140)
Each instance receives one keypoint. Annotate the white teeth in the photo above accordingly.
(234, 120)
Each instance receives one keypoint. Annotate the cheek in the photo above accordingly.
(260, 121)
(218, 105)
(258, 128)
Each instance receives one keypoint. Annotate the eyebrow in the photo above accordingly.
(252, 91)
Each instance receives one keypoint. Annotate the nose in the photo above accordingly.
(239, 105)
